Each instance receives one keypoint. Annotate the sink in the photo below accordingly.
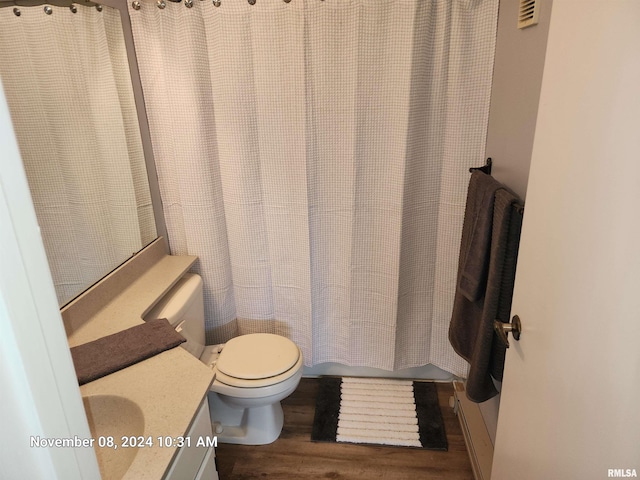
(113, 416)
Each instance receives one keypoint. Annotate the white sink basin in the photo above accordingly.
(113, 416)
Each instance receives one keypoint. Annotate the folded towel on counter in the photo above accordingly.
(471, 330)
(109, 354)
(474, 250)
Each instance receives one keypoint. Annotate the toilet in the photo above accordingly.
(253, 372)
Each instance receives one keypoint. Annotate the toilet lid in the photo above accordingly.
(257, 355)
(222, 379)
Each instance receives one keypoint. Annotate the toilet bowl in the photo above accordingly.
(253, 372)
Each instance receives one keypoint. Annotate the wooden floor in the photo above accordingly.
(294, 456)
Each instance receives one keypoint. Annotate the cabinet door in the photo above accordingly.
(188, 461)
(208, 469)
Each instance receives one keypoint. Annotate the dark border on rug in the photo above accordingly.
(430, 422)
(325, 422)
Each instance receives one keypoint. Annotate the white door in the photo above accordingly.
(570, 406)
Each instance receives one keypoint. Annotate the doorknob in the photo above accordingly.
(501, 328)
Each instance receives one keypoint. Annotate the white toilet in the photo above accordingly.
(253, 373)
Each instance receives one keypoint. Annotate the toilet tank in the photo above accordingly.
(183, 306)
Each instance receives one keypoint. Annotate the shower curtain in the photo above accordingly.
(314, 155)
(66, 78)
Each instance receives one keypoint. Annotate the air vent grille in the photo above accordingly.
(528, 13)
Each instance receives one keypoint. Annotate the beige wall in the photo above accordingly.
(517, 78)
(38, 387)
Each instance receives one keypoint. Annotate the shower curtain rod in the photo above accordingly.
(55, 3)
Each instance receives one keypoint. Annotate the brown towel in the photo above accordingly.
(109, 354)
(474, 250)
(471, 330)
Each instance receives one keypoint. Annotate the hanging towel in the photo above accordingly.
(474, 250)
(471, 330)
(109, 354)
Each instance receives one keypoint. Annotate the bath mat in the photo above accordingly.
(379, 411)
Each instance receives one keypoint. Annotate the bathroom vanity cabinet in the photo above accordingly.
(167, 389)
(196, 458)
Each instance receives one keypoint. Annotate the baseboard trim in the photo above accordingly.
(475, 433)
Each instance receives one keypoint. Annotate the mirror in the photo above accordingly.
(66, 77)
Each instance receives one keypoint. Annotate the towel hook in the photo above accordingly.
(501, 328)
(486, 168)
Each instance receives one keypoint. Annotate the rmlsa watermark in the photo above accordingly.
(622, 473)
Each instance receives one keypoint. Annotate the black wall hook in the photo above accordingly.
(484, 169)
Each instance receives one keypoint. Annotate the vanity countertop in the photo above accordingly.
(168, 387)
(121, 300)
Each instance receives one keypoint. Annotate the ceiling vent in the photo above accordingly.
(528, 13)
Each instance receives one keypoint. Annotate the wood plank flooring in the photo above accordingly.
(294, 456)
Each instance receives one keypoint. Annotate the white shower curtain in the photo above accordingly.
(66, 78)
(315, 155)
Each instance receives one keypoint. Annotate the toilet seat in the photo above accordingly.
(257, 360)
(222, 379)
